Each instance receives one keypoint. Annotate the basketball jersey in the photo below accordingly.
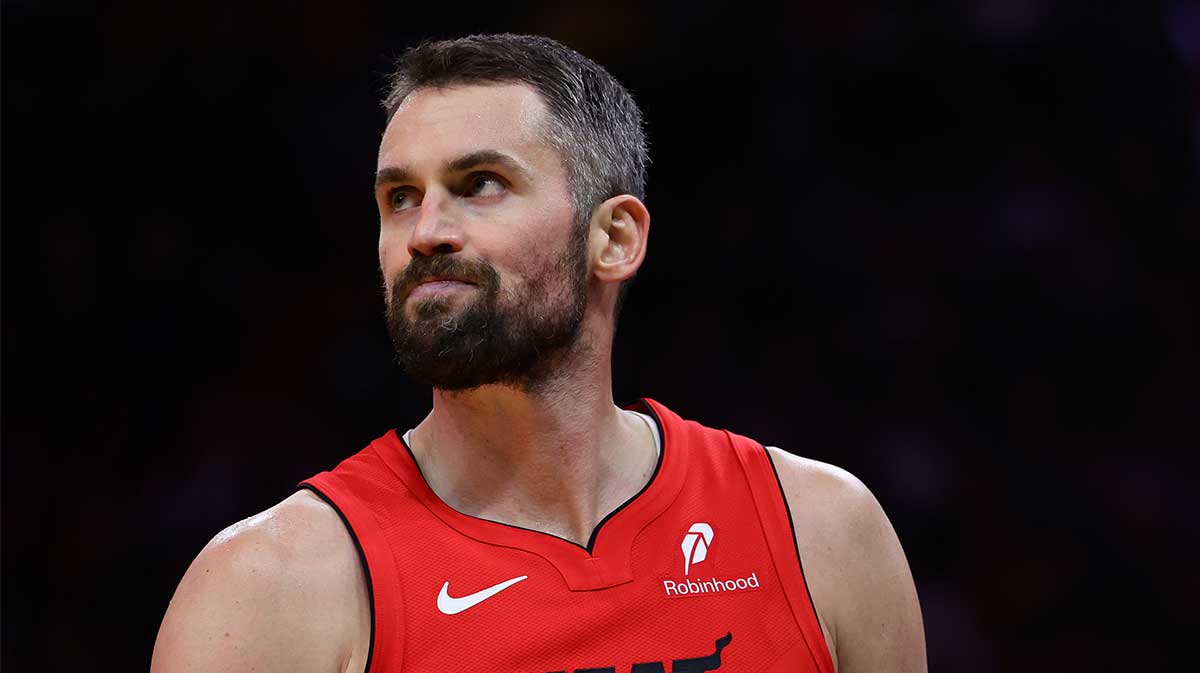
(697, 572)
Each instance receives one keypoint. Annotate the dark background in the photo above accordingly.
(948, 246)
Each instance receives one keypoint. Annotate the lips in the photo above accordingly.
(442, 275)
(437, 285)
(445, 279)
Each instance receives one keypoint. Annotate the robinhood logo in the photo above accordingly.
(696, 543)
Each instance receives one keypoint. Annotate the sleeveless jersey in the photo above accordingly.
(697, 572)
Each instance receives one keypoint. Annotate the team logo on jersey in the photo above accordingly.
(709, 662)
(696, 544)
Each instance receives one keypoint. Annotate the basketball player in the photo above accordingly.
(528, 524)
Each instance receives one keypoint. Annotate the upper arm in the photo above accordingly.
(855, 568)
(277, 592)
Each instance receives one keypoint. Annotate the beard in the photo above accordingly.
(515, 338)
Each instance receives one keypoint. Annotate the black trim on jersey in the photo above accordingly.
(795, 542)
(595, 531)
(658, 464)
(362, 557)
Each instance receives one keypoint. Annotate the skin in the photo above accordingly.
(284, 591)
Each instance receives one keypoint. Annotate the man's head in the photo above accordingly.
(507, 207)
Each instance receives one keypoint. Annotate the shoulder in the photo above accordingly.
(825, 496)
(854, 566)
(282, 590)
(300, 540)
(292, 534)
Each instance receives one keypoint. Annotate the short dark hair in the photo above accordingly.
(594, 123)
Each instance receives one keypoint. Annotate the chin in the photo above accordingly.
(432, 307)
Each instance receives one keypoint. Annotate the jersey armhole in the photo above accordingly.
(318, 486)
(796, 548)
(775, 515)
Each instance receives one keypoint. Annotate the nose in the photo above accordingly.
(437, 231)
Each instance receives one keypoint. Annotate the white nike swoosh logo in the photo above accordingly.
(450, 605)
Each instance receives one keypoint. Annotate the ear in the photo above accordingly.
(617, 244)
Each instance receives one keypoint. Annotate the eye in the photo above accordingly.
(483, 185)
(401, 198)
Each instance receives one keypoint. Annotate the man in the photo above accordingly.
(529, 524)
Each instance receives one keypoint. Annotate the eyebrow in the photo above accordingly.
(391, 174)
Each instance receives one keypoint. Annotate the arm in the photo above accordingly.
(280, 591)
(855, 568)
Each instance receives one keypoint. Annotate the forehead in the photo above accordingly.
(436, 123)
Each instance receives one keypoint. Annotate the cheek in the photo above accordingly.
(393, 253)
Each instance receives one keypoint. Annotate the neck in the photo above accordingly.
(557, 459)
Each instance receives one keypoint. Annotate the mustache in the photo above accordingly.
(476, 271)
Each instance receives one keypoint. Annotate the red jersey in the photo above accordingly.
(697, 572)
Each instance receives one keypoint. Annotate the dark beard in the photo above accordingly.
(486, 342)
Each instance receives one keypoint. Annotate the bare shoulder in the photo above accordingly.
(828, 503)
(855, 568)
(280, 591)
(812, 482)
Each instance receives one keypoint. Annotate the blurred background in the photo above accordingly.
(949, 246)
